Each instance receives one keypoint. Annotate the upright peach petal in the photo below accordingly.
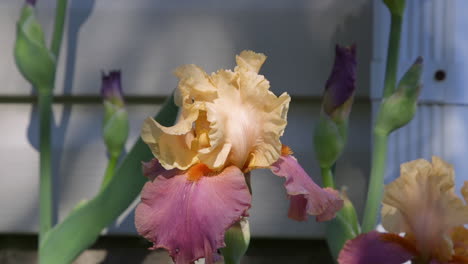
(227, 118)
(250, 61)
(422, 203)
(244, 99)
(194, 85)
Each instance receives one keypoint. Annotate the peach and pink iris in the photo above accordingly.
(423, 205)
(230, 123)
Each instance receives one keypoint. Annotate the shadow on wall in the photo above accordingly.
(59, 128)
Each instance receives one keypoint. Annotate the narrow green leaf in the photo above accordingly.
(84, 224)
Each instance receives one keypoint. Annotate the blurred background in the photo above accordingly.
(148, 39)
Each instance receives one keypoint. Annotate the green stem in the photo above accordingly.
(392, 55)
(327, 177)
(111, 165)
(45, 161)
(376, 182)
(60, 15)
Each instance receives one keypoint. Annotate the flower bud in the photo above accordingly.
(111, 89)
(400, 108)
(331, 131)
(237, 239)
(396, 7)
(34, 61)
(341, 85)
(115, 125)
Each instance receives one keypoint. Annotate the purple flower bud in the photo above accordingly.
(31, 2)
(111, 89)
(340, 86)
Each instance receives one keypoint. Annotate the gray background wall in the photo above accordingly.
(147, 40)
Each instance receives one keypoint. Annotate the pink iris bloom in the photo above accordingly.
(423, 205)
(230, 123)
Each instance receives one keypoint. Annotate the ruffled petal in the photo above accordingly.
(268, 146)
(464, 191)
(375, 247)
(248, 60)
(170, 144)
(194, 85)
(189, 218)
(422, 202)
(306, 196)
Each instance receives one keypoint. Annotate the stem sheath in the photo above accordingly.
(392, 55)
(57, 36)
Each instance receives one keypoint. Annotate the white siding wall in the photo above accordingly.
(147, 40)
(436, 30)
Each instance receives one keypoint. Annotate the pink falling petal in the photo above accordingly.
(370, 248)
(306, 196)
(189, 218)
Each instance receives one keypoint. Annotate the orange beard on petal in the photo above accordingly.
(286, 151)
(460, 241)
(197, 171)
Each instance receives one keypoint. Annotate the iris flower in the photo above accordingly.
(423, 205)
(230, 124)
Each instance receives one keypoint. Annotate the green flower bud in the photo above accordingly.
(400, 108)
(34, 61)
(329, 141)
(396, 7)
(237, 239)
(115, 125)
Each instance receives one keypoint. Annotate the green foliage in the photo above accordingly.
(83, 225)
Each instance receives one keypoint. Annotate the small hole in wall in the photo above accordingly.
(440, 75)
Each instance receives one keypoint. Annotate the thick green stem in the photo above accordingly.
(45, 164)
(327, 177)
(392, 55)
(376, 182)
(57, 36)
(111, 165)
